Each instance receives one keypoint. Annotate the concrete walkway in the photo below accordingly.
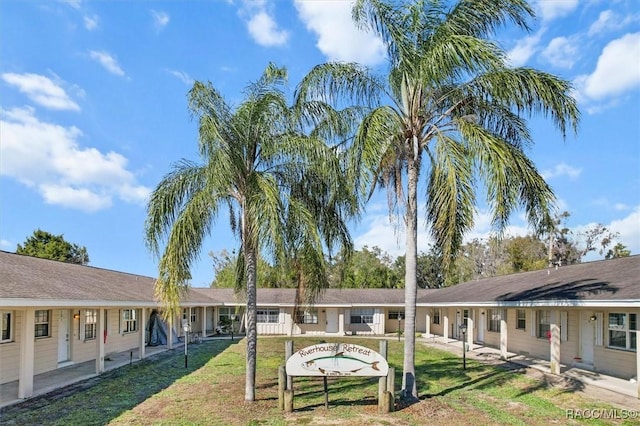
(73, 373)
(625, 392)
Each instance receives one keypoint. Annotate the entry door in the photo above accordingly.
(587, 335)
(332, 320)
(63, 335)
(482, 324)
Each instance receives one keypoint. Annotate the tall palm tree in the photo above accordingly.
(451, 110)
(281, 187)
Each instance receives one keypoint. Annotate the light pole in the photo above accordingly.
(186, 327)
(463, 330)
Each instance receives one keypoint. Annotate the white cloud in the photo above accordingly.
(265, 31)
(561, 169)
(107, 61)
(160, 19)
(561, 52)
(6, 244)
(261, 24)
(338, 37)
(629, 229)
(41, 90)
(524, 49)
(48, 158)
(608, 21)
(182, 76)
(79, 198)
(91, 22)
(552, 9)
(73, 3)
(616, 72)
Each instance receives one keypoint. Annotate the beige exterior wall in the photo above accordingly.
(10, 351)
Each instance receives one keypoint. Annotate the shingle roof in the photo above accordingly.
(615, 279)
(330, 297)
(24, 278)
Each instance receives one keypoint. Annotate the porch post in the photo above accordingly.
(470, 330)
(340, 321)
(427, 329)
(503, 335)
(27, 344)
(555, 342)
(638, 358)
(204, 321)
(445, 331)
(100, 341)
(142, 342)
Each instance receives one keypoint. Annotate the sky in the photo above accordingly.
(93, 110)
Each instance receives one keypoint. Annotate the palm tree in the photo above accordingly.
(452, 110)
(281, 187)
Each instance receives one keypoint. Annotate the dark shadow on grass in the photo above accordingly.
(100, 399)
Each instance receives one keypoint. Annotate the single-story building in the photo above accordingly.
(55, 314)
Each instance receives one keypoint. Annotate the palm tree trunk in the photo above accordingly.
(409, 387)
(252, 335)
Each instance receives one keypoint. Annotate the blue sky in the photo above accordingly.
(93, 109)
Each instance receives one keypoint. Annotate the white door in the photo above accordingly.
(482, 318)
(63, 335)
(332, 320)
(587, 335)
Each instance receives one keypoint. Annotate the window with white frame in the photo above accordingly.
(435, 316)
(129, 322)
(90, 317)
(521, 319)
(495, 316)
(7, 326)
(268, 315)
(544, 324)
(622, 330)
(396, 314)
(362, 316)
(193, 317)
(42, 328)
(307, 316)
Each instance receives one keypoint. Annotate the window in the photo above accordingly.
(396, 314)
(129, 321)
(42, 324)
(268, 316)
(224, 314)
(185, 314)
(495, 316)
(435, 315)
(544, 324)
(308, 316)
(622, 330)
(90, 317)
(362, 316)
(521, 319)
(7, 326)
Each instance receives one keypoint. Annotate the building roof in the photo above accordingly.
(30, 281)
(614, 281)
(44, 282)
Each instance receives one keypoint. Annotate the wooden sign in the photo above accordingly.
(336, 359)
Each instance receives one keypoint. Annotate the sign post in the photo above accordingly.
(335, 360)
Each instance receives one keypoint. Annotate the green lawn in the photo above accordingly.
(160, 391)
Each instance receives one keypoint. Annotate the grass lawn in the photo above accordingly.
(160, 391)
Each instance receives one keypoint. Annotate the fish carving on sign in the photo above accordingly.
(336, 359)
(338, 364)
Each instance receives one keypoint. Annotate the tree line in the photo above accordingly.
(371, 267)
